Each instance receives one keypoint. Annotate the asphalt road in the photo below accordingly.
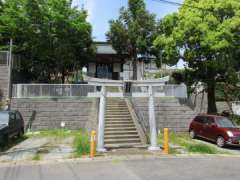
(180, 168)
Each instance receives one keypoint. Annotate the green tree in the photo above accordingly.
(206, 37)
(50, 35)
(132, 33)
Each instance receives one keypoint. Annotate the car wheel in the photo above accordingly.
(220, 141)
(20, 134)
(6, 140)
(192, 134)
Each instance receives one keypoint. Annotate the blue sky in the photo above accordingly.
(101, 11)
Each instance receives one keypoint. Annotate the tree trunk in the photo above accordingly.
(135, 68)
(63, 76)
(212, 108)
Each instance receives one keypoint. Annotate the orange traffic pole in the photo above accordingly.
(165, 141)
(93, 144)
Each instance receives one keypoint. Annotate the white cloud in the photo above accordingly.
(89, 5)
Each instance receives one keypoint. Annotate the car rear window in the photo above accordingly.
(204, 119)
(4, 118)
(209, 120)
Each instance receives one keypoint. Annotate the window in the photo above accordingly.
(18, 117)
(12, 116)
(199, 119)
(225, 123)
(11, 119)
(4, 118)
(209, 120)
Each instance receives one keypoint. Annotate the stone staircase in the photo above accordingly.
(120, 130)
(4, 80)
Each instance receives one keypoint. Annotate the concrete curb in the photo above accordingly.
(114, 158)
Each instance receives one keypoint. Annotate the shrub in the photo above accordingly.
(200, 148)
(82, 144)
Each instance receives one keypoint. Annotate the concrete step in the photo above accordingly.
(117, 111)
(116, 132)
(113, 108)
(120, 125)
(122, 136)
(116, 106)
(118, 118)
(123, 140)
(119, 122)
(117, 115)
(119, 102)
(124, 145)
(132, 128)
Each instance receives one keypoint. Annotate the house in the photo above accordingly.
(107, 64)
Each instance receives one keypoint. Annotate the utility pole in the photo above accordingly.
(10, 69)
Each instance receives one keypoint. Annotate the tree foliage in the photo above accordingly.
(207, 38)
(132, 33)
(50, 35)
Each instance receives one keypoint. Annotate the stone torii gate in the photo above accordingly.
(150, 94)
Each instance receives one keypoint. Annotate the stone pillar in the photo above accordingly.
(140, 70)
(101, 120)
(152, 122)
(19, 90)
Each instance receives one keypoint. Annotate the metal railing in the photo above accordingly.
(81, 90)
(52, 90)
(178, 91)
(141, 119)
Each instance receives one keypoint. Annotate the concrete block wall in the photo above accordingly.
(223, 106)
(43, 114)
(4, 81)
(173, 113)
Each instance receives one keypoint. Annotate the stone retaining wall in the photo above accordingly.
(173, 113)
(43, 114)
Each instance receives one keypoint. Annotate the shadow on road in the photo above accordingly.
(12, 142)
(227, 147)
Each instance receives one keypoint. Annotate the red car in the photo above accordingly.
(215, 128)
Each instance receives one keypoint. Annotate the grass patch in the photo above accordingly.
(36, 157)
(81, 139)
(59, 133)
(81, 144)
(182, 143)
(201, 148)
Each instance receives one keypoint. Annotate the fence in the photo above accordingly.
(51, 90)
(80, 90)
(178, 91)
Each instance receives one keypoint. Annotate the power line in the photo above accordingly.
(186, 5)
(181, 4)
(169, 2)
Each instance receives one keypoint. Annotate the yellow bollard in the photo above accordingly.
(165, 141)
(93, 144)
